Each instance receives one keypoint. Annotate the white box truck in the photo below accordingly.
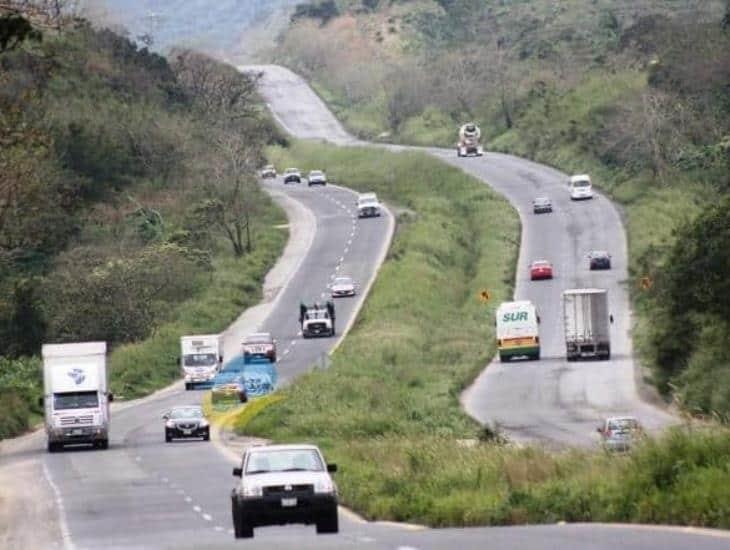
(587, 323)
(75, 394)
(200, 359)
(517, 330)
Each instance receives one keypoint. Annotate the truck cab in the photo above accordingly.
(317, 320)
(517, 330)
(76, 398)
(200, 359)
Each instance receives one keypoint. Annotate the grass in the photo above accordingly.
(235, 284)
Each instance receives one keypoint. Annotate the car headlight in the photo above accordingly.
(187, 377)
(324, 486)
(169, 424)
(251, 490)
(203, 424)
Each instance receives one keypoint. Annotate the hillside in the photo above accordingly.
(129, 210)
(636, 93)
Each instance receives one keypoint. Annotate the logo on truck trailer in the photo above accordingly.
(77, 375)
(514, 316)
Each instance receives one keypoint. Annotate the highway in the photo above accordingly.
(144, 493)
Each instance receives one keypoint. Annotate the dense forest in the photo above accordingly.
(635, 92)
(124, 178)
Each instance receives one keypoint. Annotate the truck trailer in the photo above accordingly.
(201, 358)
(75, 394)
(587, 323)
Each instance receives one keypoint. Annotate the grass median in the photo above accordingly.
(387, 410)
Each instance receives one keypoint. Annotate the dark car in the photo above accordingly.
(292, 175)
(283, 484)
(599, 259)
(184, 422)
(541, 205)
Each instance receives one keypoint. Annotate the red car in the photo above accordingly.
(260, 345)
(541, 269)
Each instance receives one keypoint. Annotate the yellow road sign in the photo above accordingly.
(646, 283)
(484, 296)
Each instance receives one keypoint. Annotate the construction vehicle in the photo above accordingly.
(468, 144)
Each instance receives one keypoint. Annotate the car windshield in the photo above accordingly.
(200, 360)
(599, 254)
(542, 201)
(315, 174)
(368, 202)
(75, 400)
(541, 264)
(317, 314)
(581, 183)
(340, 281)
(186, 412)
(258, 339)
(285, 460)
(623, 424)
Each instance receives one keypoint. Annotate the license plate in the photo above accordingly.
(187, 432)
(288, 502)
(77, 431)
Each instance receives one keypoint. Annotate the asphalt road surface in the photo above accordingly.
(144, 493)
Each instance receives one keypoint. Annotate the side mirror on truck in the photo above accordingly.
(110, 397)
(238, 472)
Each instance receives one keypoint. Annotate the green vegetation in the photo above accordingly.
(387, 410)
(129, 211)
(633, 93)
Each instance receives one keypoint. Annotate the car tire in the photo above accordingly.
(188, 386)
(206, 436)
(168, 438)
(103, 444)
(330, 524)
(53, 447)
(243, 398)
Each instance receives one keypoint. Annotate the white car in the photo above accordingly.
(317, 177)
(283, 484)
(342, 286)
(368, 205)
(580, 187)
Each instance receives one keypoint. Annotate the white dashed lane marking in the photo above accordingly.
(207, 517)
(188, 499)
(197, 508)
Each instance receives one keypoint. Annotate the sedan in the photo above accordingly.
(317, 177)
(268, 171)
(541, 269)
(229, 386)
(619, 433)
(292, 175)
(343, 286)
(184, 422)
(541, 205)
(599, 259)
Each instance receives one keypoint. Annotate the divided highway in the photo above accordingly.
(550, 401)
(144, 493)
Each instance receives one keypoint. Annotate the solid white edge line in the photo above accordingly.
(62, 523)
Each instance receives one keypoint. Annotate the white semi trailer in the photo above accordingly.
(587, 323)
(75, 394)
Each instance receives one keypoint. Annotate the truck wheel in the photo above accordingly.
(243, 398)
(188, 386)
(330, 524)
(502, 358)
(103, 443)
(536, 356)
(53, 447)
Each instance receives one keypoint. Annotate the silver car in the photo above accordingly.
(343, 286)
(620, 433)
(283, 484)
(541, 205)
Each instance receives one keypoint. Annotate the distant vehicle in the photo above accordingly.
(260, 345)
(186, 421)
(620, 433)
(599, 259)
(292, 175)
(580, 187)
(587, 323)
(343, 286)
(317, 177)
(541, 205)
(268, 171)
(367, 205)
(75, 394)
(230, 383)
(517, 330)
(541, 269)
(317, 320)
(200, 359)
(283, 484)
(468, 144)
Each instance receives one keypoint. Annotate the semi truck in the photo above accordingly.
(517, 330)
(200, 359)
(587, 323)
(468, 144)
(75, 394)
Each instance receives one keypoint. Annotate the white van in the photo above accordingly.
(200, 359)
(580, 187)
(517, 330)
